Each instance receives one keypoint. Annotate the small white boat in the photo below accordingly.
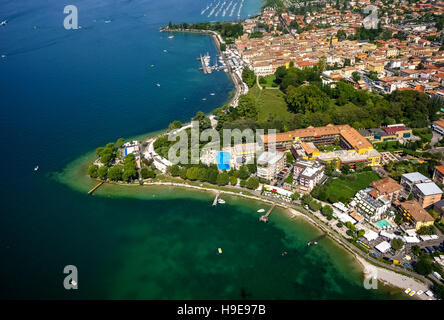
(219, 250)
(204, 99)
(165, 51)
(74, 283)
(3, 23)
(107, 21)
(157, 84)
(152, 66)
(261, 210)
(36, 168)
(221, 201)
(212, 94)
(3, 56)
(171, 37)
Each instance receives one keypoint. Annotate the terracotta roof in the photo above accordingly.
(416, 211)
(439, 123)
(348, 133)
(440, 169)
(386, 185)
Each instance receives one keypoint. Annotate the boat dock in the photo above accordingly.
(205, 61)
(216, 198)
(314, 241)
(264, 218)
(96, 187)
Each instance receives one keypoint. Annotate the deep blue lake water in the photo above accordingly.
(65, 92)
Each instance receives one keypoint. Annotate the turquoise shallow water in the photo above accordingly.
(66, 92)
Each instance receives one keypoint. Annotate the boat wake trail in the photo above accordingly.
(214, 9)
(220, 9)
(226, 9)
(232, 9)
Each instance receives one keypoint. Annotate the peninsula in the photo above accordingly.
(358, 148)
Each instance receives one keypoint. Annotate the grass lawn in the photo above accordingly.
(345, 188)
(270, 101)
(387, 146)
(270, 81)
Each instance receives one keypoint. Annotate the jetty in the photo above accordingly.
(205, 61)
(97, 186)
(264, 218)
(216, 198)
(314, 241)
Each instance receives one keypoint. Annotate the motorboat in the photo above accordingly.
(261, 210)
(36, 168)
(171, 37)
(157, 84)
(3, 23)
(212, 94)
(221, 201)
(219, 250)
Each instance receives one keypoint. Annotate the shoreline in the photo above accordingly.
(238, 83)
(385, 276)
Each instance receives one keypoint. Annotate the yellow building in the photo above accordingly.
(415, 214)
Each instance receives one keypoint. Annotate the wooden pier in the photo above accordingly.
(314, 241)
(96, 187)
(264, 218)
(216, 198)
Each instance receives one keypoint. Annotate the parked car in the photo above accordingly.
(430, 249)
(407, 265)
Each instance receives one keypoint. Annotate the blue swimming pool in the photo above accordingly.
(382, 223)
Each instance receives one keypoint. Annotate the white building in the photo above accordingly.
(368, 206)
(270, 164)
(408, 180)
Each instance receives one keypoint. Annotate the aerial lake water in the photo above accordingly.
(64, 93)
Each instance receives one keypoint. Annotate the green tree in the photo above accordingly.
(247, 107)
(102, 172)
(233, 181)
(306, 199)
(424, 266)
(147, 173)
(192, 173)
(345, 168)
(244, 173)
(295, 196)
(252, 183)
(355, 76)
(223, 179)
(327, 210)
(248, 77)
(92, 171)
(306, 99)
(115, 173)
(315, 205)
(204, 121)
(174, 170)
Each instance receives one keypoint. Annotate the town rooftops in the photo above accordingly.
(348, 133)
(268, 158)
(415, 177)
(386, 185)
(440, 169)
(394, 128)
(439, 123)
(416, 211)
(428, 188)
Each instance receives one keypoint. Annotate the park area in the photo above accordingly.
(270, 102)
(345, 187)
